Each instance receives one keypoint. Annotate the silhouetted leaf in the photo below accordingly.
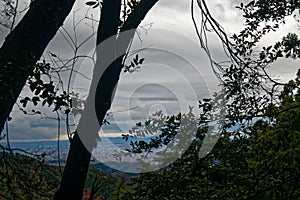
(91, 3)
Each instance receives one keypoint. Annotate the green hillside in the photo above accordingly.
(23, 177)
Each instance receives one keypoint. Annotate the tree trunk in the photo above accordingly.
(103, 85)
(75, 172)
(24, 46)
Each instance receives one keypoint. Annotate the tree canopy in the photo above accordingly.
(256, 153)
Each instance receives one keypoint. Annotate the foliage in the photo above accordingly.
(24, 177)
(48, 88)
(46, 91)
(259, 162)
(257, 155)
(134, 65)
(247, 87)
(99, 184)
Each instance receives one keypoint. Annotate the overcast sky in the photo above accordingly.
(176, 72)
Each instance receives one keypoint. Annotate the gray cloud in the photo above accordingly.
(174, 61)
(24, 127)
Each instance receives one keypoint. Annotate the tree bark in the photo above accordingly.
(76, 169)
(24, 46)
(100, 97)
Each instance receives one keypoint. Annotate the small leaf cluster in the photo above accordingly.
(134, 65)
(262, 10)
(44, 91)
(128, 7)
(167, 130)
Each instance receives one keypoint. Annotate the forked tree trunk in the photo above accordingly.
(74, 176)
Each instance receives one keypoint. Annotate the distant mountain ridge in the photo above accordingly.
(49, 148)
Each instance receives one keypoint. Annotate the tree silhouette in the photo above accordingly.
(24, 46)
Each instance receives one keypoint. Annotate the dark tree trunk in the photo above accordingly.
(73, 180)
(24, 46)
(75, 172)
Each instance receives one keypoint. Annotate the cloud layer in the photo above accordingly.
(176, 69)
